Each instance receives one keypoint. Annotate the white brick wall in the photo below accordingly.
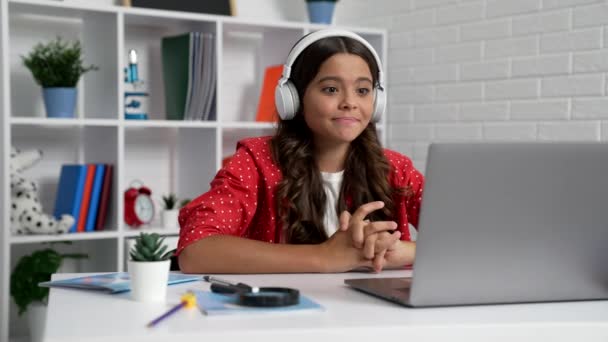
(506, 70)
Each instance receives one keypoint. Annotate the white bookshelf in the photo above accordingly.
(168, 156)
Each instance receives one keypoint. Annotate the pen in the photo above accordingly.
(223, 286)
(188, 301)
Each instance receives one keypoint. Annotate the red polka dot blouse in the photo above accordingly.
(241, 199)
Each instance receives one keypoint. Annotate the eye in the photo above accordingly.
(363, 91)
(330, 90)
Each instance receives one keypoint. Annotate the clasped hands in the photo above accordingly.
(359, 243)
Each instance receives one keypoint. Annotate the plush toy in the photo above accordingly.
(27, 216)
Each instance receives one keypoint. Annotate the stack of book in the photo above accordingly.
(189, 76)
(84, 192)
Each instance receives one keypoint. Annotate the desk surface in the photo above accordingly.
(75, 315)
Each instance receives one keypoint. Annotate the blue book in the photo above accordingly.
(112, 282)
(214, 304)
(69, 192)
(95, 197)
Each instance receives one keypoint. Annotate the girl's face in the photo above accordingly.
(339, 101)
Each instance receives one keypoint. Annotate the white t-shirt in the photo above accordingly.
(332, 182)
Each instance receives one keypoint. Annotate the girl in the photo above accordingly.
(274, 207)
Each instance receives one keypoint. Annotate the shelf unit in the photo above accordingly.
(168, 156)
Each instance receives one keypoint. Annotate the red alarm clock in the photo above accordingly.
(139, 207)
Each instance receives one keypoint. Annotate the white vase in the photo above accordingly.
(149, 280)
(36, 320)
(169, 219)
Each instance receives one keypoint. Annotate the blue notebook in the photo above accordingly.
(112, 282)
(213, 304)
(69, 192)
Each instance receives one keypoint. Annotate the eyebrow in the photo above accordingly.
(339, 79)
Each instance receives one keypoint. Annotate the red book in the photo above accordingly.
(86, 198)
(106, 190)
(267, 111)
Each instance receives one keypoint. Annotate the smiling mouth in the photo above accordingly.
(346, 119)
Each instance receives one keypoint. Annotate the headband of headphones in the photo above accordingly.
(318, 35)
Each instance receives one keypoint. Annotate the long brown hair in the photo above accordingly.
(300, 197)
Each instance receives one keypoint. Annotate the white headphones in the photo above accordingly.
(286, 96)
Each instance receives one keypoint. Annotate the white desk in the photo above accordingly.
(82, 316)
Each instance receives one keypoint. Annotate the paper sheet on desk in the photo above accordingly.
(116, 282)
(214, 304)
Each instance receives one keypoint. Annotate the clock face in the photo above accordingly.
(144, 208)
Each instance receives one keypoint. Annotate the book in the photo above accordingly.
(69, 192)
(111, 282)
(267, 110)
(176, 54)
(105, 198)
(95, 197)
(86, 198)
(209, 73)
(216, 304)
(189, 76)
(191, 95)
(203, 71)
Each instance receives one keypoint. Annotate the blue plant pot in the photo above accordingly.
(59, 102)
(321, 12)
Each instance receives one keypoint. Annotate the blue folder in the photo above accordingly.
(69, 192)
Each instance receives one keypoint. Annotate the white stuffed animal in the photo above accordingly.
(27, 216)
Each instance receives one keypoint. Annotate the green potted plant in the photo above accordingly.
(57, 66)
(31, 270)
(170, 212)
(321, 11)
(149, 268)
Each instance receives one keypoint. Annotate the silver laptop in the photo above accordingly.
(508, 223)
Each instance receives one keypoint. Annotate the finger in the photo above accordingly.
(397, 236)
(369, 247)
(344, 220)
(357, 233)
(357, 221)
(386, 241)
(366, 209)
(378, 261)
(378, 227)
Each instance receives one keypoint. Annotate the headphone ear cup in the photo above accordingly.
(295, 99)
(379, 104)
(286, 100)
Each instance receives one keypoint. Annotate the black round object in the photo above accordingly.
(270, 297)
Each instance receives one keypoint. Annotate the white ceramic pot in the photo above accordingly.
(149, 280)
(169, 218)
(36, 320)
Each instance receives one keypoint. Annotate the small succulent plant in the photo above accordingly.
(150, 247)
(170, 201)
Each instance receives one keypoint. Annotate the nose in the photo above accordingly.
(348, 101)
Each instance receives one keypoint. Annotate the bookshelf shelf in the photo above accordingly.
(49, 6)
(248, 125)
(168, 156)
(52, 122)
(102, 235)
(169, 124)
